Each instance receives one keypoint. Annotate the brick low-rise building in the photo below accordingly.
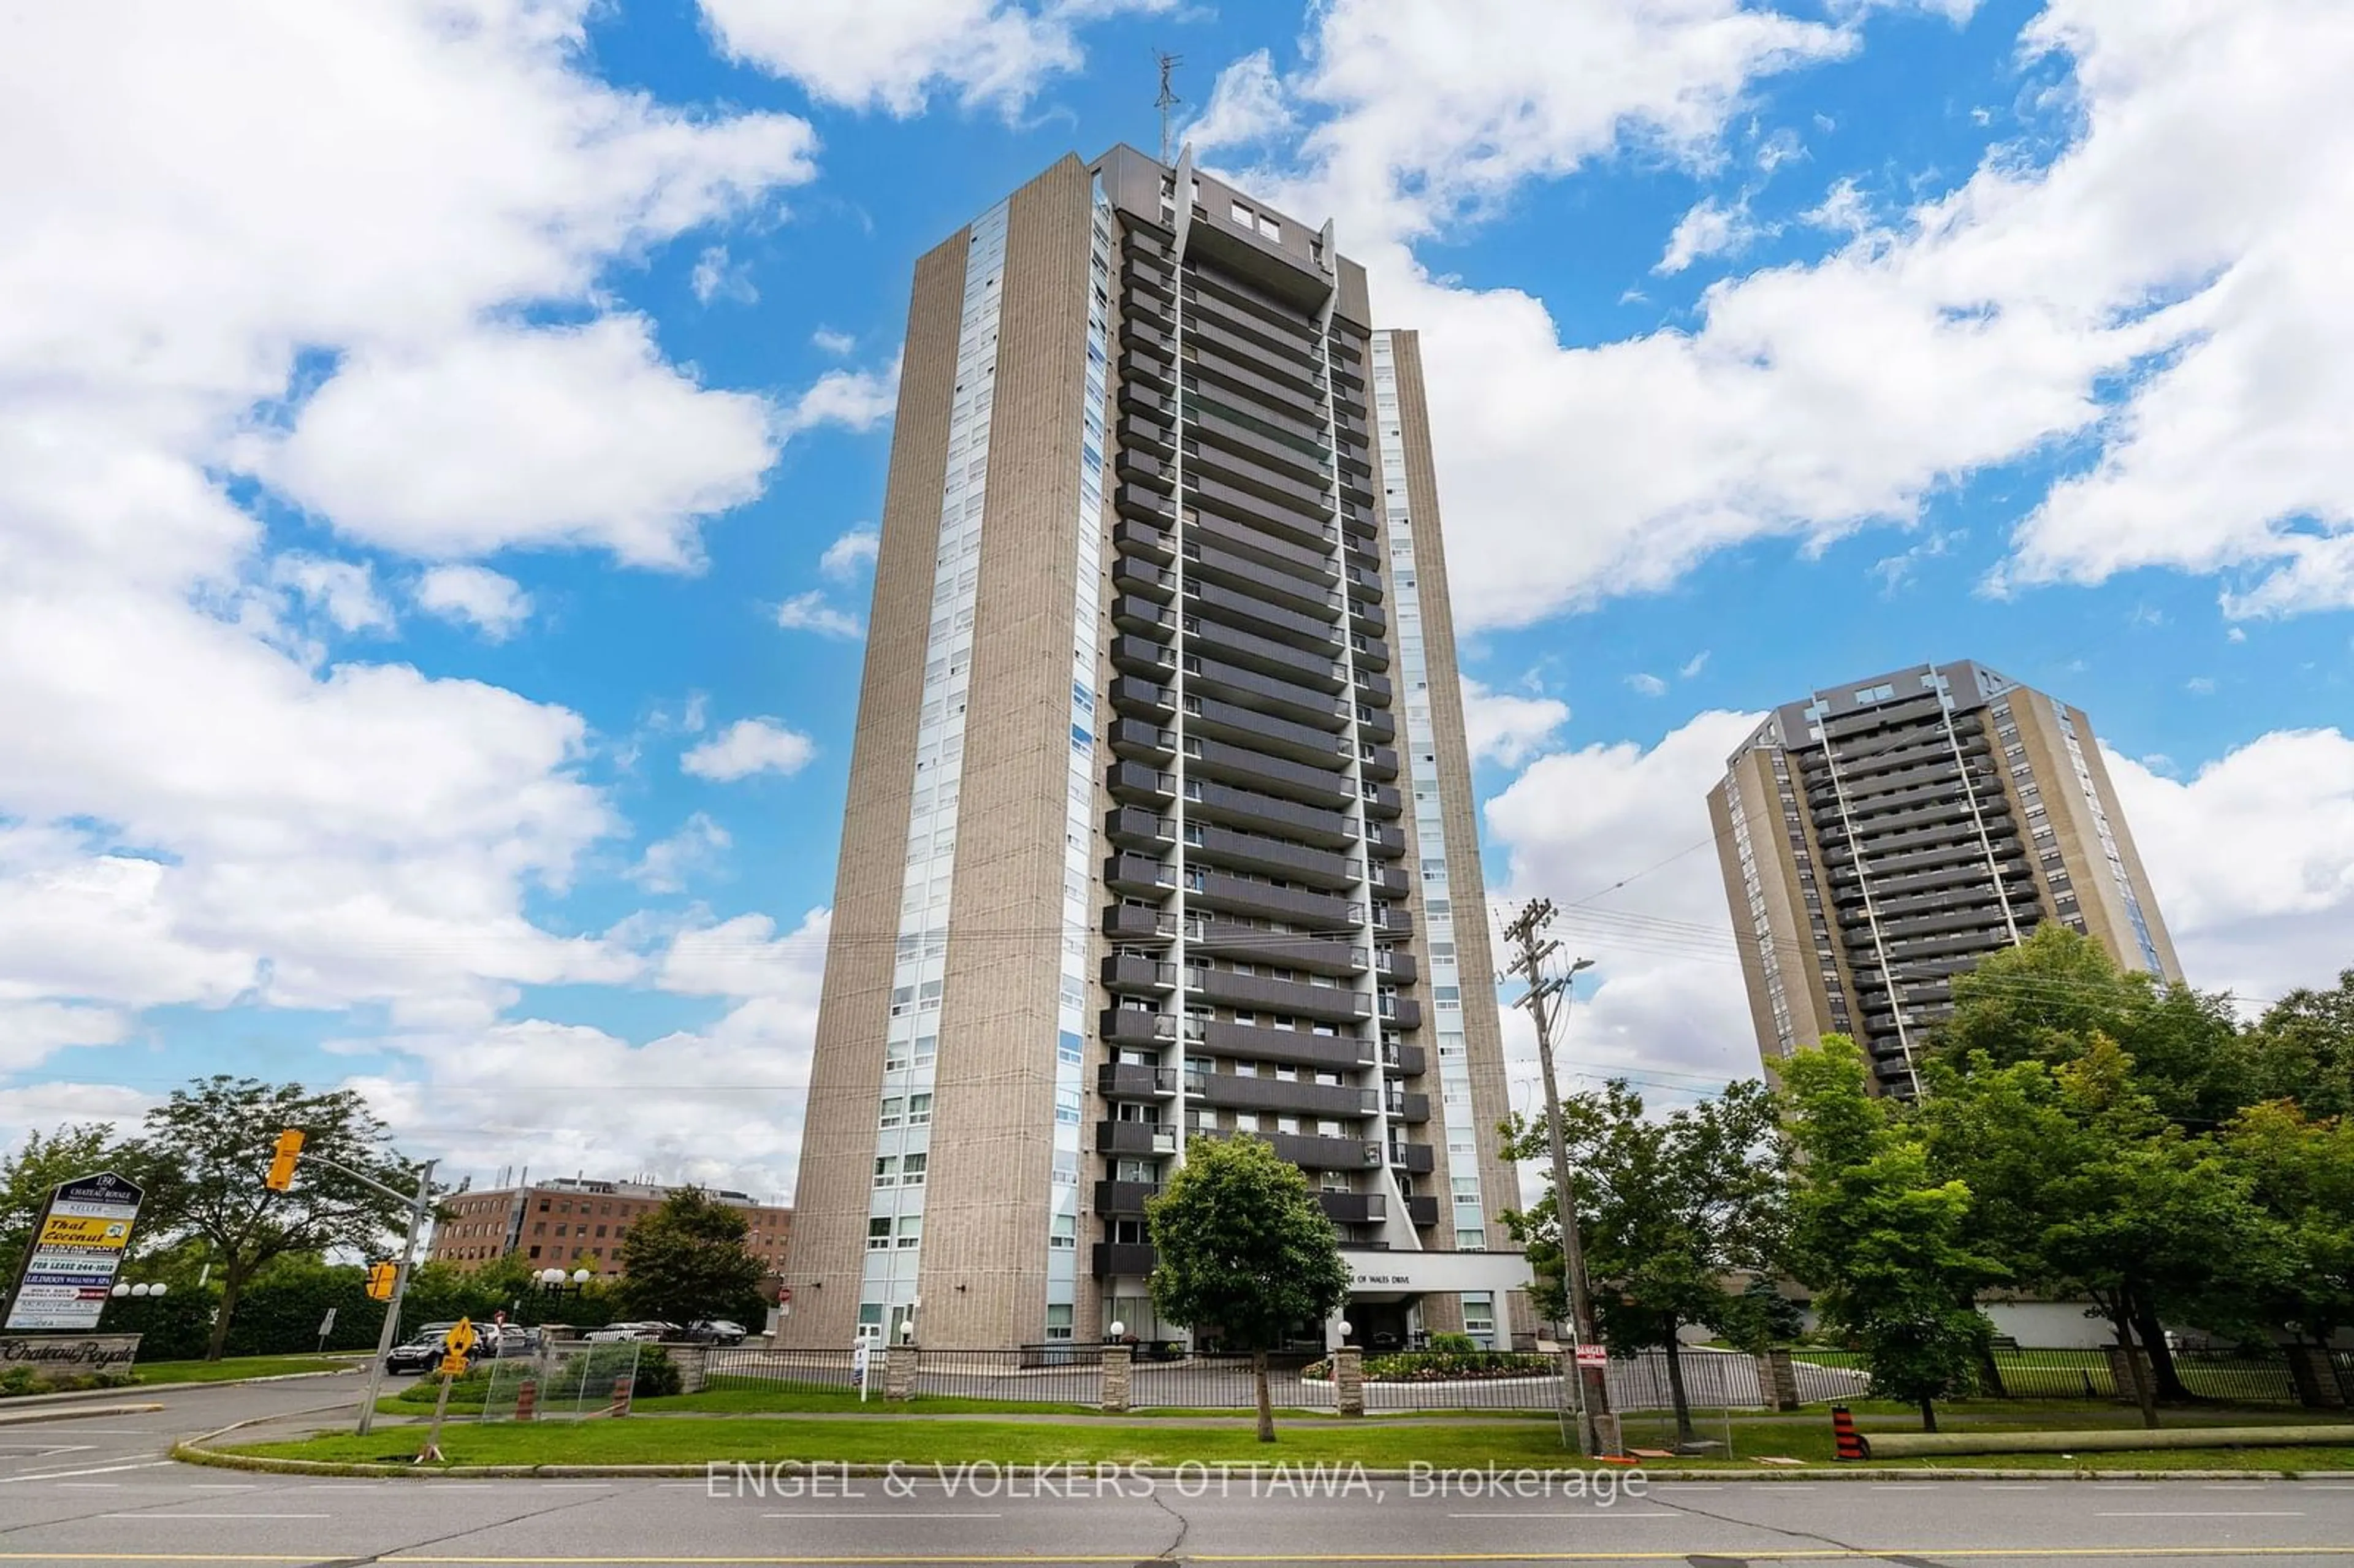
(574, 1224)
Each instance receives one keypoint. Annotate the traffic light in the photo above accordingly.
(381, 1277)
(282, 1164)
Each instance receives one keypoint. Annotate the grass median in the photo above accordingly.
(230, 1368)
(649, 1438)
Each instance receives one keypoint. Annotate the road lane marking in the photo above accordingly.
(1587, 1513)
(824, 1515)
(2204, 1513)
(170, 1518)
(93, 1470)
(90, 1486)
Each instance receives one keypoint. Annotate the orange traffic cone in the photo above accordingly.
(1850, 1442)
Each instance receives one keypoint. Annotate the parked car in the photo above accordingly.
(420, 1354)
(647, 1330)
(716, 1332)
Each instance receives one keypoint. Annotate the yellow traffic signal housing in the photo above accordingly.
(381, 1277)
(282, 1163)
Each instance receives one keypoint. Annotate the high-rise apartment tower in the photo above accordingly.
(1881, 838)
(1160, 816)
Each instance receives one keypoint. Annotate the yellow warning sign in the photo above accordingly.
(82, 1230)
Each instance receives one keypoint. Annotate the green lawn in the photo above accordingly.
(748, 1396)
(646, 1439)
(230, 1366)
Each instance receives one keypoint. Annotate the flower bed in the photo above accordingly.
(1444, 1366)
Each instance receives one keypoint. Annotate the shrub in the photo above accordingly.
(1459, 1343)
(657, 1374)
(1444, 1366)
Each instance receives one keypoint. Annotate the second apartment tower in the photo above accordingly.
(1160, 815)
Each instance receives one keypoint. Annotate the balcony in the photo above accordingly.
(1245, 649)
(1135, 1138)
(1133, 827)
(1143, 539)
(1248, 1091)
(1326, 1153)
(1142, 468)
(1263, 617)
(1135, 613)
(1291, 1047)
(1423, 1212)
(1124, 1197)
(1310, 561)
(1230, 764)
(1141, 698)
(1144, 656)
(1135, 501)
(1397, 964)
(1383, 801)
(1149, 431)
(1378, 762)
(1411, 1109)
(1138, 876)
(1140, 741)
(1124, 1259)
(1209, 719)
(1135, 1026)
(1217, 846)
(1218, 890)
(1372, 653)
(1323, 826)
(1300, 523)
(1416, 1158)
(1131, 1081)
(1353, 1208)
(1258, 993)
(1406, 1061)
(1393, 921)
(1377, 726)
(1283, 950)
(1306, 589)
(1136, 782)
(1130, 573)
(1144, 976)
(1384, 841)
(1404, 1013)
(1388, 882)
(1267, 694)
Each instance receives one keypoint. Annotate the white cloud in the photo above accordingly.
(1647, 684)
(515, 436)
(1508, 729)
(342, 591)
(212, 818)
(715, 276)
(850, 554)
(747, 746)
(2170, 246)
(2200, 685)
(810, 613)
(855, 399)
(1694, 665)
(1246, 106)
(495, 605)
(828, 341)
(2253, 859)
(1844, 209)
(722, 1104)
(895, 56)
(1666, 997)
(669, 863)
(1711, 228)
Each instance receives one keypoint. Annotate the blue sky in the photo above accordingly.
(430, 543)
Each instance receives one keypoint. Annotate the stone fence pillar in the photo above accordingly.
(1119, 1365)
(2317, 1387)
(694, 1365)
(1779, 1375)
(899, 1372)
(1349, 1381)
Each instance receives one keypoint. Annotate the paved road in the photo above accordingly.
(67, 1507)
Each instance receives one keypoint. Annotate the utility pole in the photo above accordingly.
(1168, 99)
(1599, 1428)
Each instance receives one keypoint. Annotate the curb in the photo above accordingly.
(195, 1452)
(77, 1413)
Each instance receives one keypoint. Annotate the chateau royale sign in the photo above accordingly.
(77, 1248)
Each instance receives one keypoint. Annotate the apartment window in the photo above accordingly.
(886, 1170)
(911, 1230)
(878, 1234)
(919, 1110)
(911, 1170)
(1059, 1322)
(895, 1110)
(1064, 1234)
(1241, 214)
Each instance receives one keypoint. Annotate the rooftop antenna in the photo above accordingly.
(1168, 99)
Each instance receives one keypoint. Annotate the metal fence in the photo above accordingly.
(1222, 1382)
(748, 1366)
(1058, 1374)
(564, 1382)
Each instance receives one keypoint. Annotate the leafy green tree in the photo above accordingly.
(688, 1259)
(1886, 1245)
(2083, 1187)
(2304, 1050)
(34, 1169)
(2051, 996)
(1669, 1209)
(2301, 1172)
(210, 1145)
(1245, 1247)
(1761, 1318)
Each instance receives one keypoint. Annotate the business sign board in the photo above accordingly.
(78, 1248)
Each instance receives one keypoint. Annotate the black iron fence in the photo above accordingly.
(1048, 1374)
(1224, 1381)
(742, 1366)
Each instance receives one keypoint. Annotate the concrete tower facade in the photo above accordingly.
(1880, 837)
(1160, 816)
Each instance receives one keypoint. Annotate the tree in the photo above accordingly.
(1243, 1246)
(2304, 1050)
(1884, 1242)
(2301, 1172)
(28, 1175)
(209, 1146)
(2050, 998)
(687, 1260)
(1667, 1209)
